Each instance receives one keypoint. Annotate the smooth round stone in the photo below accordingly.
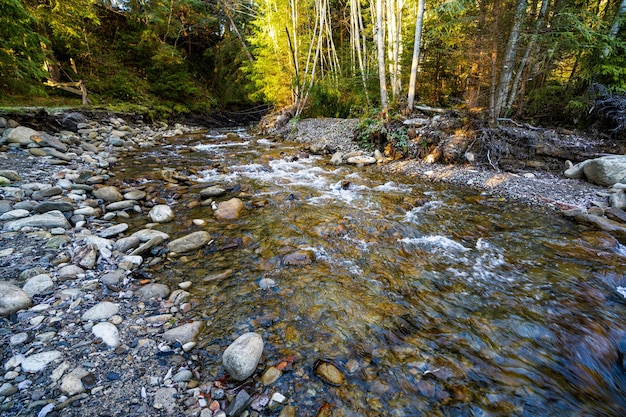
(12, 299)
(329, 373)
(135, 195)
(184, 334)
(7, 389)
(241, 358)
(72, 383)
(109, 194)
(70, 272)
(145, 235)
(126, 243)
(271, 375)
(18, 339)
(161, 213)
(112, 278)
(228, 210)
(153, 290)
(15, 214)
(101, 311)
(113, 230)
(39, 284)
(184, 375)
(189, 242)
(108, 333)
(213, 191)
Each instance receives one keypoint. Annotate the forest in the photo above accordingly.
(546, 61)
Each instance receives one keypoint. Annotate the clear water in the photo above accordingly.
(433, 301)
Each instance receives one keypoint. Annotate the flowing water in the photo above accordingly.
(433, 301)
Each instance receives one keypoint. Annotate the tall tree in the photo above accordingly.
(380, 43)
(416, 53)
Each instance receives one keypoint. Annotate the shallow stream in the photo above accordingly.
(433, 301)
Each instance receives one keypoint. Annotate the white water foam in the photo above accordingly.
(437, 243)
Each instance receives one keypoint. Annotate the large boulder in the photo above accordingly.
(21, 135)
(605, 171)
(49, 220)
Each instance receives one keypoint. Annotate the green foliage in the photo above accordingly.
(371, 133)
(21, 48)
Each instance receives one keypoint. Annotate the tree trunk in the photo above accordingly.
(416, 53)
(529, 48)
(494, 63)
(380, 41)
(508, 65)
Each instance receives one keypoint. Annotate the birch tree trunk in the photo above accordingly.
(416, 53)
(494, 63)
(357, 29)
(380, 41)
(616, 25)
(508, 65)
(529, 48)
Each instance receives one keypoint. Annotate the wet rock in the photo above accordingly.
(121, 205)
(48, 220)
(37, 362)
(135, 195)
(184, 334)
(12, 299)
(271, 375)
(288, 411)
(101, 311)
(161, 213)
(189, 242)
(213, 191)
(109, 194)
(329, 373)
(46, 193)
(21, 135)
(276, 401)
(178, 297)
(38, 285)
(153, 290)
(149, 245)
(298, 258)
(228, 210)
(361, 160)
(108, 333)
(239, 404)
(241, 358)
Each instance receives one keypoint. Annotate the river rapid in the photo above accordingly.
(431, 300)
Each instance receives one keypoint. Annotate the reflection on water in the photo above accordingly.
(433, 301)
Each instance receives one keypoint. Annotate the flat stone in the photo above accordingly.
(213, 191)
(301, 257)
(165, 399)
(153, 290)
(48, 220)
(108, 333)
(15, 214)
(101, 311)
(152, 243)
(38, 285)
(135, 195)
(126, 243)
(10, 174)
(112, 278)
(241, 358)
(184, 334)
(48, 206)
(44, 139)
(37, 362)
(113, 230)
(46, 193)
(121, 205)
(145, 235)
(189, 242)
(241, 402)
(12, 299)
(329, 373)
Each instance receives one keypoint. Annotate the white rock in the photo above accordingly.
(15, 214)
(39, 284)
(12, 299)
(108, 333)
(161, 213)
(38, 361)
(72, 384)
(101, 311)
(241, 358)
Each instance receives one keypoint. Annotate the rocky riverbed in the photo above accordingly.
(85, 332)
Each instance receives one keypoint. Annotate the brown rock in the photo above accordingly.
(231, 209)
(329, 373)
